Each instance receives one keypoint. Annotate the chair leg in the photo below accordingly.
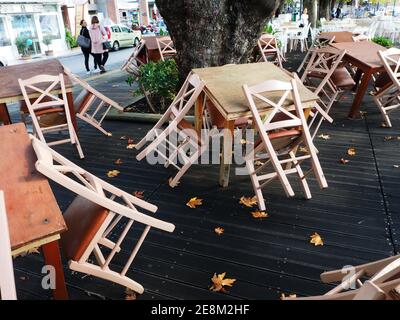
(256, 184)
(78, 145)
(300, 173)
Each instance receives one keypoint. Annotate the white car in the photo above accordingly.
(121, 36)
(3, 61)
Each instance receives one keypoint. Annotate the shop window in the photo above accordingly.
(25, 31)
(4, 38)
(49, 25)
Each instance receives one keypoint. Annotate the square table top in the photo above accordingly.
(32, 210)
(9, 87)
(340, 36)
(224, 87)
(363, 52)
(151, 42)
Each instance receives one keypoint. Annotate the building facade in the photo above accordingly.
(30, 21)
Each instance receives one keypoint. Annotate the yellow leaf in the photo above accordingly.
(258, 163)
(219, 282)
(193, 202)
(130, 294)
(259, 214)
(118, 162)
(248, 202)
(324, 136)
(131, 146)
(113, 173)
(316, 239)
(351, 152)
(219, 230)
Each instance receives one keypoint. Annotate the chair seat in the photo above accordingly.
(281, 139)
(83, 219)
(342, 78)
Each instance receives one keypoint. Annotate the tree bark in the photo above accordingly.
(312, 8)
(325, 9)
(214, 32)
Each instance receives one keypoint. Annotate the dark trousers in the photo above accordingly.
(97, 59)
(87, 54)
(105, 58)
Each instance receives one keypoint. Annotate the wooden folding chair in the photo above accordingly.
(381, 281)
(280, 132)
(98, 220)
(7, 282)
(166, 47)
(94, 105)
(268, 46)
(135, 61)
(178, 143)
(48, 104)
(319, 76)
(387, 98)
(320, 41)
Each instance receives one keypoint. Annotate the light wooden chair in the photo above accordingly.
(319, 76)
(134, 62)
(268, 46)
(98, 220)
(49, 104)
(166, 47)
(280, 133)
(387, 98)
(94, 106)
(7, 282)
(187, 146)
(381, 281)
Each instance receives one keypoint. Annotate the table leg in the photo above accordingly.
(357, 78)
(226, 157)
(51, 252)
(198, 113)
(355, 108)
(4, 115)
(71, 107)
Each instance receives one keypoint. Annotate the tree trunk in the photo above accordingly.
(214, 32)
(325, 9)
(312, 8)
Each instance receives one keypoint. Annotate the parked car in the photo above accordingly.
(3, 61)
(121, 36)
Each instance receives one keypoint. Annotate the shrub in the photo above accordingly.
(47, 40)
(22, 45)
(383, 41)
(71, 41)
(159, 80)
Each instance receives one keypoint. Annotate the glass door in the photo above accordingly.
(25, 33)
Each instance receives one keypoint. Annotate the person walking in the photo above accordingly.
(97, 34)
(86, 51)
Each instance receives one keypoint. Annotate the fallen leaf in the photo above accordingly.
(130, 294)
(219, 230)
(344, 161)
(138, 194)
(316, 239)
(113, 173)
(258, 163)
(289, 296)
(303, 149)
(388, 138)
(123, 138)
(131, 146)
(396, 165)
(219, 282)
(248, 202)
(118, 162)
(384, 125)
(131, 141)
(351, 152)
(324, 136)
(193, 202)
(259, 214)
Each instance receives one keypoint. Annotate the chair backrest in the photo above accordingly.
(166, 47)
(306, 30)
(46, 99)
(267, 44)
(134, 62)
(322, 41)
(7, 282)
(391, 61)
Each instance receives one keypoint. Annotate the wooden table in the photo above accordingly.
(11, 92)
(364, 56)
(224, 89)
(153, 54)
(34, 218)
(340, 36)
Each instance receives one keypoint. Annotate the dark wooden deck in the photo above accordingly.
(358, 217)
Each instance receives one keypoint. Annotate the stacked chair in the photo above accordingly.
(280, 133)
(7, 282)
(268, 46)
(166, 48)
(98, 220)
(49, 106)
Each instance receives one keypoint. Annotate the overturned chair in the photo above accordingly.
(93, 105)
(98, 220)
(135, 61)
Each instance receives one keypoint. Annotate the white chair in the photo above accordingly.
(99, 210)
(388, 97)
(49, 104)
(94, 106)
(281, 132)
(301, 38)
(178, 144)
(7, 282)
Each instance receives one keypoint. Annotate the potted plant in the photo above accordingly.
(47, 40)
(23, 43)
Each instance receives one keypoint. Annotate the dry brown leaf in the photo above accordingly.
(248, 202)
(290, 296)
(219, 230)
(258, 163)
(344, 161)
(303, 149)
(324, 136)
(219, 282)
(131, 146)
(118, 162)
(130, 294)
(316, 239)
(138, 194)
(259, 214)
(388, 138)
(351, 152)
(113, 173)
(193, 202)
(384, 125)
